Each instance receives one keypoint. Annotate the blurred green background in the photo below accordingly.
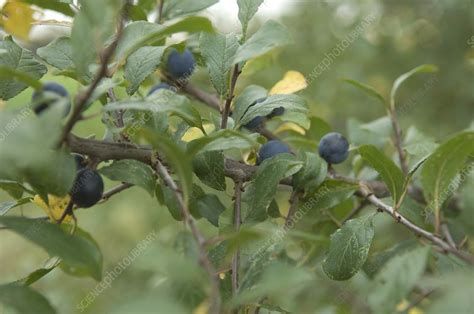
(404, 34)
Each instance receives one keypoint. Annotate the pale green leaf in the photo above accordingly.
(349, 248)
(268, 37)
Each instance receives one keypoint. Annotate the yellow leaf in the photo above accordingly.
(195, 133)
(402, 305)
(56, 207)
(415, 310)
(290, 126)
(292, 82)
(17, 18)
(202, 308)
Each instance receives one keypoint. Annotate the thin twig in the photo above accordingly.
(215, 300)
(159, 19)
(237, 222)
(447, 235)
(67, 211)
(397, 135)
(230, 96)
(293, 207)
(115, 190)
(446, 247)
(83, 98)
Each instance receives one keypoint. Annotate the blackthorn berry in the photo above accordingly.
(52, 92)
(276, 112)
(87, 189)
(258, 120)
(160, 86)
(334, 148)
(180, 65)
(271, 149)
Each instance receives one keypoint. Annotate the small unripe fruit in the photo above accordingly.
(180, 65)
(334, 148)
(87, 189)
(80, 161)
(160, 86)
(52, 92)
(270, 149)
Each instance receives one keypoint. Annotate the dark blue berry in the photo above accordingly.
(180, 65)
(271, 149)
(276, 112)
(52, 93)
(334, 148)
(160, 86)
(258, 120)
(87, 189)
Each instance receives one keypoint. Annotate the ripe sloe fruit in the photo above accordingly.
(180, 65)
(334, 148)
(160, 86)
(87, 189)
(258, 120)
(52, 92)
(271, 149)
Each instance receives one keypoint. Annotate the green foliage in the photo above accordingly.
(442, 166)
(388, 170)
(349, 248)
(76, 251)
(296, 227)
(16, 58)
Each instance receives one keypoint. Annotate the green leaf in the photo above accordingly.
(58, 53)
(248, 96)
(378, 260)
(210, 207)
(263, 187)
(22, 65)
(360, 134)
(174, 156)
(140, 34)
(442, 166)
(33, 277)
(22, 299)
(162, 101)
(349, 248)
(271, 35)
(177, 8)
(312, 174)
(388, 170)
(6, 206)
(396, 279)
(77, 251)
(368, 90)
(222, 140)
(27, 155)
(13, 188)
(218, 51)
(247, 9)
(425, 68)
(131, 171)
(331, 193)
(93, 25)
(140, 65)
(209, 168)
(291, 103)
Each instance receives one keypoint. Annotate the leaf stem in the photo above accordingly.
(237, 223)
(230, 96)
